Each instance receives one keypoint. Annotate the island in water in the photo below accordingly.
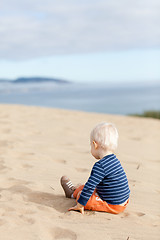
(26, 80)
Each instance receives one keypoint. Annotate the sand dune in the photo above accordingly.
(39, 145)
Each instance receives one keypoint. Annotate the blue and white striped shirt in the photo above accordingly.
(110, 181)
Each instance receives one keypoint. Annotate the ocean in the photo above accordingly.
(120, 99)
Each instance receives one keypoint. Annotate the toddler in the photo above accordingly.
(107, 187)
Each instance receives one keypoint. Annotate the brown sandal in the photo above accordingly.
(67, 186)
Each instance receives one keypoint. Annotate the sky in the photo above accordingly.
(81, 41)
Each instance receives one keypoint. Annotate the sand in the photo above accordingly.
(39, 145)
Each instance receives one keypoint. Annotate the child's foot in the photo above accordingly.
(67, 186)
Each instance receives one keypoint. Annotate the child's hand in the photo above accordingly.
(78, 207)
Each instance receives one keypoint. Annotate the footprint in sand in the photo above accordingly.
(27, 154)
(61, 161)
(19, 181)
(125, 214)
(4, 122)
(61, 233)
(82, 169)
(18, 188)
(31, 153)
(4, 116)
(140, 214)
(2, 222)
(2, 166)
(27, 166)
(27, 220)
(4, 143)
(7, 130)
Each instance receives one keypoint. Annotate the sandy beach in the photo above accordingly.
(39, 145)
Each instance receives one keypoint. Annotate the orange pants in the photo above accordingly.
(95, 203)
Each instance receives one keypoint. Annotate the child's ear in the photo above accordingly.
(95, 144)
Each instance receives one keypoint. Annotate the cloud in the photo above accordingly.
(32, 29)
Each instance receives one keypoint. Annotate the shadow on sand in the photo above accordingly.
(58, 202)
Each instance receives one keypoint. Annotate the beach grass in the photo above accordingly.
(148, 114)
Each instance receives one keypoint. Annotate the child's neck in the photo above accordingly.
(104, 153)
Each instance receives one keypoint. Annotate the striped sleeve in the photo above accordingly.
(97, 174)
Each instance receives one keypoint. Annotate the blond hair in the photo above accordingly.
(106, 135)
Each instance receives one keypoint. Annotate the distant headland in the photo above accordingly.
(26, 80)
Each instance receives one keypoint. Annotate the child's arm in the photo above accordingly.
(78, 207)
(97, 174)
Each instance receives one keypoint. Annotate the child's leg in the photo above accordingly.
(77, 191)
(95, 203)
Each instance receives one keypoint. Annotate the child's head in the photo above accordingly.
(105, 136)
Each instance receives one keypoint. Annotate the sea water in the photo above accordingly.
(94, 97)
